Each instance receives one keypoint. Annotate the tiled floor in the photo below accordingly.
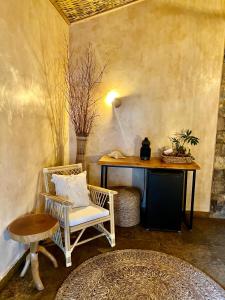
(204, 247)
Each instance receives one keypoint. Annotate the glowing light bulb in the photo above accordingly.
(111, 96)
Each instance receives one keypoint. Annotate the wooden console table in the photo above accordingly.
(153, 163)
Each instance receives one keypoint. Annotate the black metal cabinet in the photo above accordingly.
(164, 196)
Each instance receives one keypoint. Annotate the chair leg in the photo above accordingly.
(113, 240)
(112, 222)
(68, 259)
(67, 251)
(112, 233)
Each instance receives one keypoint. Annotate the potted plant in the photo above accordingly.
(180, 152)
(84, 78)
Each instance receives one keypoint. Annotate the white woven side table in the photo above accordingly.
(127, 206)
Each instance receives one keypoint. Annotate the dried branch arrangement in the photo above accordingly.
(84, 78)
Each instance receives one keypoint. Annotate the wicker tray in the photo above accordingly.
(176, 159)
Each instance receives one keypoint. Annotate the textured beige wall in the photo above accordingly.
(165, 58)
(32, 33)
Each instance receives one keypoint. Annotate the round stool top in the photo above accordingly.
(33, 228)
(127, 194)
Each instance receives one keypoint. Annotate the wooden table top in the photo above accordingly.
(153, 163)
(33, 228)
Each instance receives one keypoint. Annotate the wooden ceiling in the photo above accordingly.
(76, 10)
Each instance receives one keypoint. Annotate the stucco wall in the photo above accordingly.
(165, 58)
(32, 35)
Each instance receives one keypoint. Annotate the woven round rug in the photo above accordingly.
(138, 274)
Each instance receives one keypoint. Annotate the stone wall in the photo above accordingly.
(218, 186)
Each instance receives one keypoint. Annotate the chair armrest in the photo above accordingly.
(59, 199)
(101, 190)
(101, 196)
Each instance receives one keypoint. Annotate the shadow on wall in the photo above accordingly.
(39, 200)
(124, 116)
(137, 144)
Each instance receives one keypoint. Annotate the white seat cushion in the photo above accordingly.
(81, 215)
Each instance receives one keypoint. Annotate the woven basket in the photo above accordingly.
(176, 159)
(81, 150)
(127, 206)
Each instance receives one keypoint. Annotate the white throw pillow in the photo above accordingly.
(61, 183)
(72, 187)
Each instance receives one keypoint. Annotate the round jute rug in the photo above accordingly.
(138, 274)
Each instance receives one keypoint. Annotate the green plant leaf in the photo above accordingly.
(179, 140)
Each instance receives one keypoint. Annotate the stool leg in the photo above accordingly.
(26, 266)
(49, 255)
(35, 266)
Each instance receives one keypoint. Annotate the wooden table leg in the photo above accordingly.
(26, 266)
(49, 255)
(35, 266)
(32, 258)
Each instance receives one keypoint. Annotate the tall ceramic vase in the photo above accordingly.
(81, 150)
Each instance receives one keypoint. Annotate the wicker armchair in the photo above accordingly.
(60, 208)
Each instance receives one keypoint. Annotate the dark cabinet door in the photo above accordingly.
(164, 200)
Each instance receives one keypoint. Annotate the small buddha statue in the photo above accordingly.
(145, 152)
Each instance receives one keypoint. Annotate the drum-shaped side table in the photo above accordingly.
(30, 229)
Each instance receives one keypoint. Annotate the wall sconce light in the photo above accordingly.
(112, 98)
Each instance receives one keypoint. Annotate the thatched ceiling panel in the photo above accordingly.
(75, 10)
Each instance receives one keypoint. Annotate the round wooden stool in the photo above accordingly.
(30, 229)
